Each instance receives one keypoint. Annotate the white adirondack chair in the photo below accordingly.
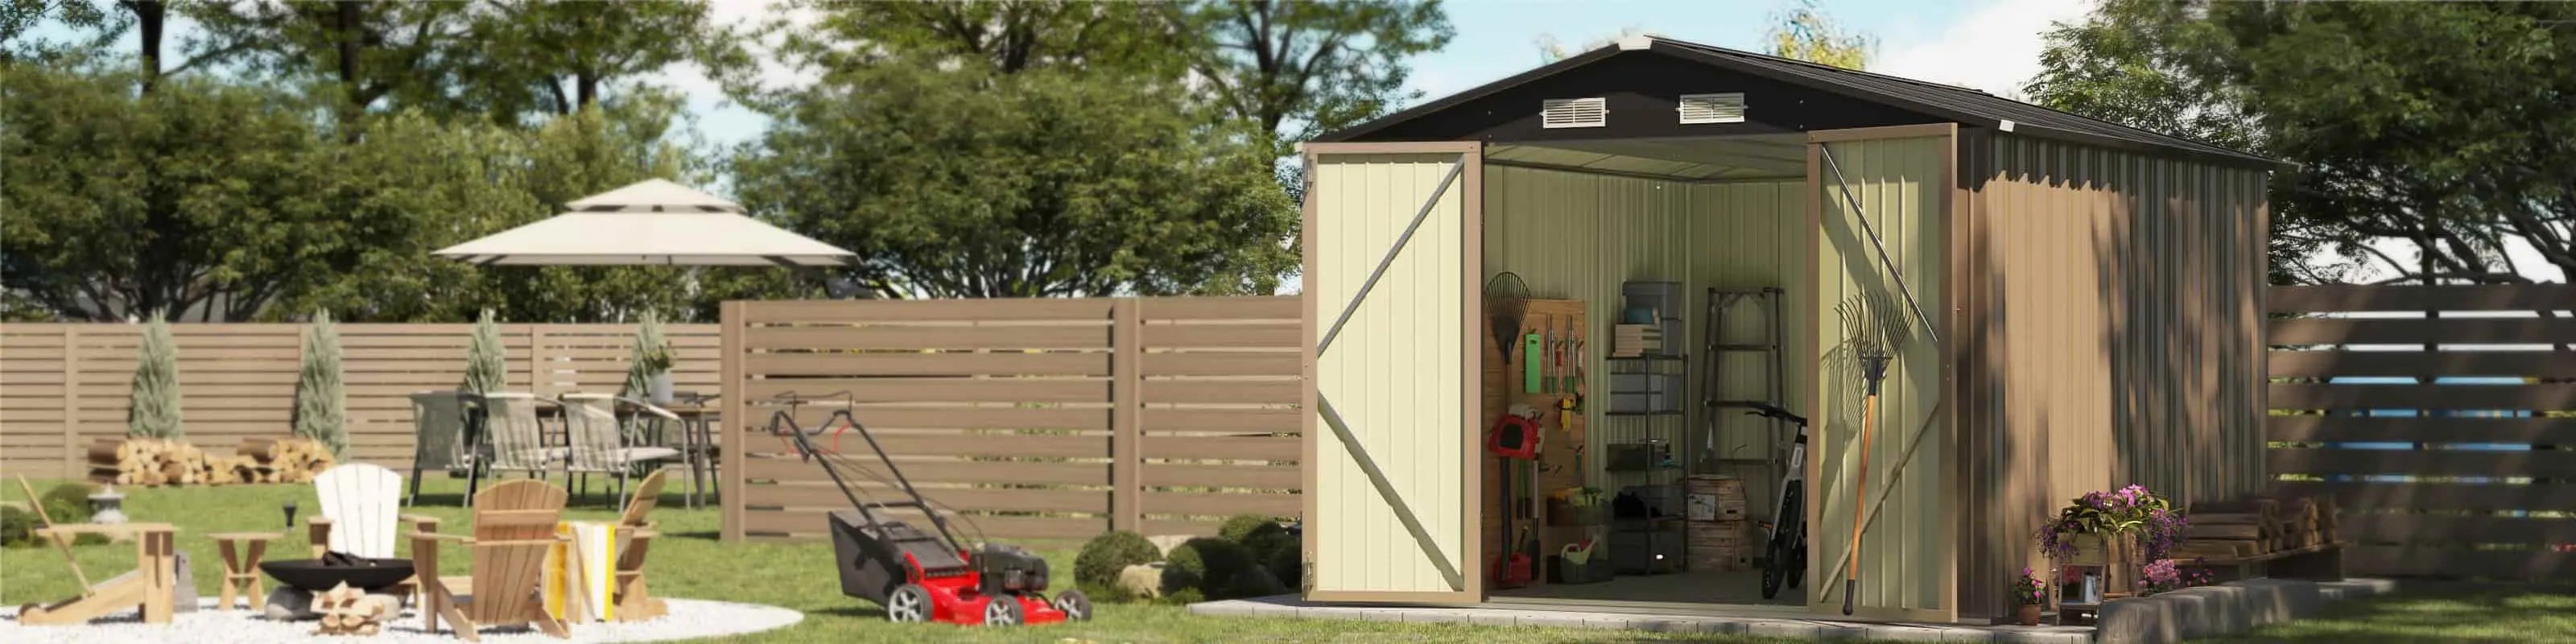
(361, 509)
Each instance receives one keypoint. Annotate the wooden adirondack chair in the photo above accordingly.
(361, 510)
(634, 602)
(514, 525)
(147, 588)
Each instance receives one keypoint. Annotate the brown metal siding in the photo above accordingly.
(2114, 337)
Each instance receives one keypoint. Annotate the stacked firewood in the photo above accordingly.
(147, 462)
(350, 611)
(286, 460)
(2256, 525)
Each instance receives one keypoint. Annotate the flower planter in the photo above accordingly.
(2028, 615)
(2114, 559)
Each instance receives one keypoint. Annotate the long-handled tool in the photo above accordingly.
(1873, 334)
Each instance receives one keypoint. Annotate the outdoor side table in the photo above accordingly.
(241, 570)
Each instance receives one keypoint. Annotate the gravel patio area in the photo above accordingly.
(689, 618)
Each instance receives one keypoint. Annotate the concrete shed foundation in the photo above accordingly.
(2232, 607)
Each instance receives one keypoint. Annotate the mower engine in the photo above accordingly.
(1009, 569)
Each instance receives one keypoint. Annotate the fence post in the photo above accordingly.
(75, 455)
(730, 419)
(1126, 453)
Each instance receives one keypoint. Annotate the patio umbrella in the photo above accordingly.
(653, 222)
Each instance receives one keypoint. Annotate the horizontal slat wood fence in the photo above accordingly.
(62, 385)
(2488, 487)
(1028, 419)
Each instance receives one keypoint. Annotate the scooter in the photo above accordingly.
(1785, 555)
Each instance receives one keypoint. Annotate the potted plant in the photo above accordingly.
(2028, 595)
(649, 370)
(2110, 530)
(2168, 575)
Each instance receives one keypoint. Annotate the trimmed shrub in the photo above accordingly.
(1254, 582)
(321, 404)
(1107, 556)
(1288, 565)
(154, 408)
(17, 527)
(1184, 571)
(1241, 525)
(1216, 564)
(1184, 597)
(67, 503)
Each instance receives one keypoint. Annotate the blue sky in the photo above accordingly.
(1987, 44)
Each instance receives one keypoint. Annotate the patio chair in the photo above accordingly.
(514, 526)
(516, 443)
(600, 444)
(438, 431)
(635, 534)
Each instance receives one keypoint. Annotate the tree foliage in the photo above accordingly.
(154, 412)
(321, 403)
(2442, 124)
(1299, 69)
(974, 183)
(1806, 33)
(202, 198)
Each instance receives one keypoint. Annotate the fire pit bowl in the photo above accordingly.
(313, 576)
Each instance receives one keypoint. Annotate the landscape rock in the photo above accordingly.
(183, 596)
(288, 604)
(1144, 581)
(1167, 542)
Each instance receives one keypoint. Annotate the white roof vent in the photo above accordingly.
(1712, 108)
(1575, 112)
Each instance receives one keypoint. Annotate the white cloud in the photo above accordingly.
(1994, 48)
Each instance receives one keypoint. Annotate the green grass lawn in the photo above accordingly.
(2435, 613)
(689, 562)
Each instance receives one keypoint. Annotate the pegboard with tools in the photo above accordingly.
(1544, 376)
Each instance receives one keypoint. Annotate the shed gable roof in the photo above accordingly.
(1957, 104)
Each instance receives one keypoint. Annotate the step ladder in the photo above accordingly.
(1718, 453)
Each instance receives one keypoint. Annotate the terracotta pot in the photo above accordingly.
(2027, 616)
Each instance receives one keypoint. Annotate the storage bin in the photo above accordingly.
(1664, 297)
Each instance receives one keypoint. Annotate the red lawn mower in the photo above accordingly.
(918, 575)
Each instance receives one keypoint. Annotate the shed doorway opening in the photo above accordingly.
(1625, 245)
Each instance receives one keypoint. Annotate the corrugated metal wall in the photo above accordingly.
(2115, 335)
(1905, 553)
(1579, 236)
(1395, 374)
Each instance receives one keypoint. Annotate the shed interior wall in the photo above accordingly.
(1579, 236)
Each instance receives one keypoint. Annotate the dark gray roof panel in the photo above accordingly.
(1934, 100)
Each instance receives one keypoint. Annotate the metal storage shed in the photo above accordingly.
(2095, 292)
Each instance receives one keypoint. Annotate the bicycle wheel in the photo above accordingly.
(1774, 567)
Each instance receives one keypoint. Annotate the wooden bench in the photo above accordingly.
(2320, 562)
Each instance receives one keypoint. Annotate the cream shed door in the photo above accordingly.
(1881, 202)
(1392, 253)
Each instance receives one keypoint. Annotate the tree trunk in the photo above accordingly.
(149, 18)
(587, 88)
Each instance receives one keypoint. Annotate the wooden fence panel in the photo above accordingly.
(2435, 474)
(1029, 419)
(62, 385)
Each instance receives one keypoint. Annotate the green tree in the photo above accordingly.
(973, 183)
(484, 370)
(1806, 33)
(1299, 69)
(86, 27)
(2436, 123)
(203, 198)
(154, 412)
(321, 404)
